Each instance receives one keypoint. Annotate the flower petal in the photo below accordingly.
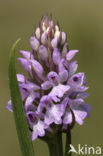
(29, 86)
(63, 76)
(31, 98)
(63, 65)
(26, 64)
(54, 42)
(56, 56)
(58, 92)
(63, 36)
(67, 118)
(43, 52)
(54, 115)
(53, 77)
(32, 118)
(71, 54)
(72, 68)
(38, 130)
(24, 93)
(38, 68)
(20, 78)
(44, 38)
(26, 54)
(76, 82)
(47, 85)
(82, 95)
(9, 106)
(34, 43)
(79, 116)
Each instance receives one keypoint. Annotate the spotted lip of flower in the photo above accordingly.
(53, 93)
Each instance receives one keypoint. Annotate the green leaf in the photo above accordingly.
(18, 108)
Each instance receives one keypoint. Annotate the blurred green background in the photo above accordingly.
(82, 20)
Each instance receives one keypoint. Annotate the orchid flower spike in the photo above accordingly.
(53, 93)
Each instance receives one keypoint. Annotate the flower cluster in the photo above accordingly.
(53, 94)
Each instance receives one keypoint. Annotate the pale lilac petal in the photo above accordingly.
(71, 54)
(65, 102)
(32, 118)
(53, 77)
(30, 108)
(78, 79)
(56, 56)
(86, 108)
(58, 92)
(82, 88)
(47, 85)
(53, 115)
(82, 95)
(9, 106)
(72, 68)
(34, 135)
(79, 116)
(65, 50)
(29, 86)
(24, 93)
(43, 53)
(20, 78)
(63, 76)
(34, 43)
(80, 110)
(76, 103)
(31, 98)
(44, 38)
(63, 65)
(38, 68)
(26, 54)
(45, 102)
(67, 118)
(26, 64)
(76, 82)
(45, 99)
(54, 42)
(38, 130)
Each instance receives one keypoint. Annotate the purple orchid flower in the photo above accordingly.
(53, 92)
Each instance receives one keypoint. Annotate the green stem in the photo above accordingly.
(68, 142)
(55, 145)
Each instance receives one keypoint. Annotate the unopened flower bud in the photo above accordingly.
(63, 37)
(54, 42)
(43, 52)
(56, 56)
(56, 28)
(44, 38)
(44, 27)
(57, 34)
(37, 33)
(34, 43)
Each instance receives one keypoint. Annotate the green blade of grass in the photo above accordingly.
(18, 108)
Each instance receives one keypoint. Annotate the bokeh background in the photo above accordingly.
(82, 20)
